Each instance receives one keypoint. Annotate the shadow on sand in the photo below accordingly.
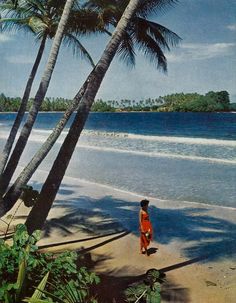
(111, 287)
(208, 237)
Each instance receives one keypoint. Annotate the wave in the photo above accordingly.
(39, 136)
(157, 155)
(165, 139)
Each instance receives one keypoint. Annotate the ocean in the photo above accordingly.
(173, 156)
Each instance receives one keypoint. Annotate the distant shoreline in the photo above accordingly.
(120, 112)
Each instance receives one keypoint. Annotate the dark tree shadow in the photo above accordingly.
(90, 221)
(208, 235)
(111, 287)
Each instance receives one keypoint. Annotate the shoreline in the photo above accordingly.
(120, 112)
(139, 195)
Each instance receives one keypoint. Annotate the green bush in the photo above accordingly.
(22, 267)
(147, 291)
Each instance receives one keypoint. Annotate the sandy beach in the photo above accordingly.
(194, 244)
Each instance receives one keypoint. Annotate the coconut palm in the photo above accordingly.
(49, 190)
(41, 18)
(150, 38)
(14, 192)
(45, 80)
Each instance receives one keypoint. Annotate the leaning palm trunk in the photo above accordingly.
(20, 114)
(10, 198)
(50, 188)
(26, 130)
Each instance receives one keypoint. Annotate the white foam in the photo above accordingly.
(165, 139)
(41, 138)
(168, 139)
(159, 155)
(184, 140)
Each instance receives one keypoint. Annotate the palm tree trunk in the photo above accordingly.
(22, 109)
(10, 198)
(49, 190)
(26, 130)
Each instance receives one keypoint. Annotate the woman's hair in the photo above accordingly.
(144, 202)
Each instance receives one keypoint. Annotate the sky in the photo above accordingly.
(204, 61)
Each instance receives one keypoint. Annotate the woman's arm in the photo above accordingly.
(140, 221)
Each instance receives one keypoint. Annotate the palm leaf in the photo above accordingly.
(21, 277)
(77, 48)
(38, 292)
(126, 49)
(86, 21)
(37, 5)
(151, 49)
(162, 35)
(148, 7)
(30, 300)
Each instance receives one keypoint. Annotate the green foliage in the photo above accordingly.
(191, 102)
(13, 263)
(22, 268)
(72, 292)
(210, 102)
(101, 106)
(8, 104)
(148, 291)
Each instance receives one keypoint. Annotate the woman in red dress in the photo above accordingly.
(145, 227)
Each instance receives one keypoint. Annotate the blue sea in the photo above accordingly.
(173, 156)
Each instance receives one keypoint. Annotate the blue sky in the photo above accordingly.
(204, 61)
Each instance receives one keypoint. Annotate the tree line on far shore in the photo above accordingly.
(179, 102)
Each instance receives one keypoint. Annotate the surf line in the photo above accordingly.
(156, 155)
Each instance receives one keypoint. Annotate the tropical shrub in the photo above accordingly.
(23, 267)
(147, 291)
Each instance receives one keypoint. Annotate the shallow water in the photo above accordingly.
(182, 156)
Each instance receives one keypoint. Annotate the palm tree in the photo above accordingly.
(27, 24)
(40, 210)
(41, 18)
(164, 34)
(41, 91)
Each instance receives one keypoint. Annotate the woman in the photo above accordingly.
(145, 227)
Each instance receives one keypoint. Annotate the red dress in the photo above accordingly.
(146, 235)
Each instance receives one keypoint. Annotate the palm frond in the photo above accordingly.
(108, 11)
(36, 5)
(33, 25)
(13, 25)
(9, 10)
(77, 47)
(150, 48)
(86, 21)
(162, 35)
(148, 7)
(126, 50)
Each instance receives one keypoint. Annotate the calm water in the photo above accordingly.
(183, 156)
